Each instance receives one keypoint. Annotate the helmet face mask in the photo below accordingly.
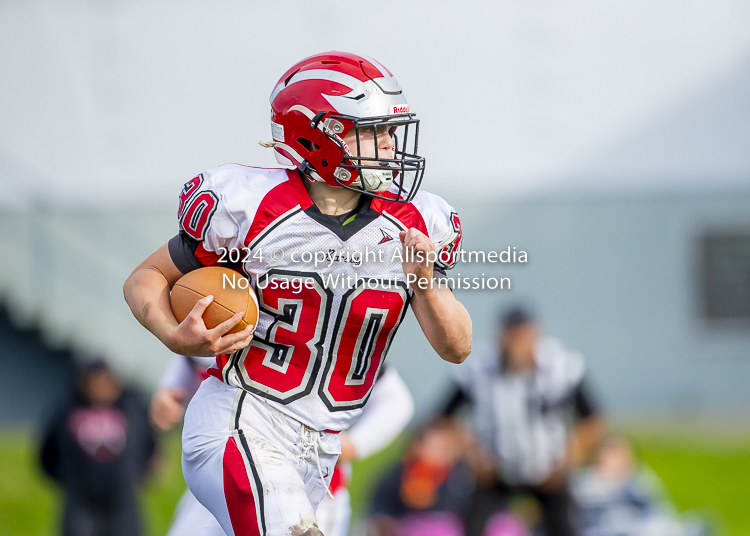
(399, 173)
(329, 97)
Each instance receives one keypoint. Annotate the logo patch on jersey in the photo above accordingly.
(386, 237)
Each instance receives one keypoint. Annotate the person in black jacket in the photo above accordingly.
(98, 450)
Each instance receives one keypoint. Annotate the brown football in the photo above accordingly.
(231, 291)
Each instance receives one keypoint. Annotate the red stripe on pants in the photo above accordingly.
(239, 493)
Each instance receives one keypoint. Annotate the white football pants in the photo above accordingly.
(257, 470)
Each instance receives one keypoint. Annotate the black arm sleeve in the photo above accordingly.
(182, 250)
(458, 398)
(583, 404)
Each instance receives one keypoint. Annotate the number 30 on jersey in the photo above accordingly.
(285, 364)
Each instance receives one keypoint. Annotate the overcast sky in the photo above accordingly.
(120, 102)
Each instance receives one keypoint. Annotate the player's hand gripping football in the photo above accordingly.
(416, 246)
(191, 337)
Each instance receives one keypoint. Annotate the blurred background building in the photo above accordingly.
(610, 141)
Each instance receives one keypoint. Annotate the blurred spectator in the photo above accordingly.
(616, 497)
(429, 492)
(534, 415)
(98, 450)
(177, 386)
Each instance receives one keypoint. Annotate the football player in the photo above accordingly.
(337, 248)
(388, 411)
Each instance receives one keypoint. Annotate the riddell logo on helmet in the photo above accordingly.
(400, 109)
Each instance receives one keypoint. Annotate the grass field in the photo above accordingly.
(707, 474)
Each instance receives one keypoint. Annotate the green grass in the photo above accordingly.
(708, 476)
(28, 502)
(711, 475)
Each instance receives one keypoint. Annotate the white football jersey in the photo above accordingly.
(332, 291)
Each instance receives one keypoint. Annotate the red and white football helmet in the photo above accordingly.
(320, 99)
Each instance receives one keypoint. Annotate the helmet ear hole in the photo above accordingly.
(309, 145)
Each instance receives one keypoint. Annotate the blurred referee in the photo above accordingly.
(533, 414)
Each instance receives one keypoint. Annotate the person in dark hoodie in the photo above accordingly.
(429, 491)
(98, 449)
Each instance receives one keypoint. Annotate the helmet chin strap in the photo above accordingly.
(309, 171)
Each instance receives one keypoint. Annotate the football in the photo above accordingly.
(231, 291)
